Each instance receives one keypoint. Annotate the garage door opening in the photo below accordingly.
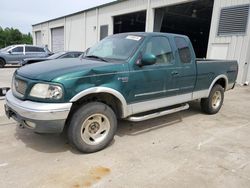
(134, 22)
(38, 35)
(192, 19)
(57, 39)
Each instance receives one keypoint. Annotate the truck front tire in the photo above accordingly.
(92, 127)
(213, 103)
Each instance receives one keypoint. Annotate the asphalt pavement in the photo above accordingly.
(185, 149)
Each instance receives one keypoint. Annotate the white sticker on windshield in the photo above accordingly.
(132, 37)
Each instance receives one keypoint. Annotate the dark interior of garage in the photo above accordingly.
(134, 22)
(192, 19)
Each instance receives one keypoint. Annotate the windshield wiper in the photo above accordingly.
(96, 57)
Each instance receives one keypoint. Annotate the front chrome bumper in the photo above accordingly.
(42, 117)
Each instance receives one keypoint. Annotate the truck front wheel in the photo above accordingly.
(213, 103)
(92, 127)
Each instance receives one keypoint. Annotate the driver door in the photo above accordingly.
(153, 81)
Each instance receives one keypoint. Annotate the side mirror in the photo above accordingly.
(10, 52)
(148, 59)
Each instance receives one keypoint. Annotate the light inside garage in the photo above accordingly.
(192, 19)
(133, 22)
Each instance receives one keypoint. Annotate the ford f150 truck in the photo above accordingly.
(133, 76)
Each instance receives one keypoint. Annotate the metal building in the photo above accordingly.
(218, 29)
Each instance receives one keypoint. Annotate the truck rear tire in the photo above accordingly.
(92, 127)
(213, 103)
(2, 63)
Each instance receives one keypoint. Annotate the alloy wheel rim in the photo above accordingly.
(95, 129)
(216, 100)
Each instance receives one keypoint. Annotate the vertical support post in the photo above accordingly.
(97, 24)
(64, 33)
(85, 31)
(149, 18)
(159, 15)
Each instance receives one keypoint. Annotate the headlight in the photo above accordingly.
(46, 91)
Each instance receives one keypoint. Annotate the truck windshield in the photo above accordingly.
(117, 47)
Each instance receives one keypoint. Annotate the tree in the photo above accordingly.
(10, 36)
(27, 39)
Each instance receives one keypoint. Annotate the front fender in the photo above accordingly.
(126, 110)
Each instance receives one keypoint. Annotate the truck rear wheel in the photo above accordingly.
(2, 63)
(92, 127)
(213, 103)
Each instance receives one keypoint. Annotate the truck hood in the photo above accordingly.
(50, 70)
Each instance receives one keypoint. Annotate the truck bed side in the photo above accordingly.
(211, 71)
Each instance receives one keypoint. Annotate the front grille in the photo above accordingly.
(19, 86)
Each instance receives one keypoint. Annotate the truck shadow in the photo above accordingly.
(57, 143)
(136, 128)
(45, 143)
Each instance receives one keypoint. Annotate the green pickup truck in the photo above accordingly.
(132, 76)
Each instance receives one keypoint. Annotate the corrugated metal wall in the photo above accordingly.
(234, 47)
(82, 29)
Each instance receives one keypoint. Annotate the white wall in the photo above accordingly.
(237, 46)
(82, 29)
(74, 32)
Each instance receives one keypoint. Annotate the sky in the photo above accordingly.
(21, 14)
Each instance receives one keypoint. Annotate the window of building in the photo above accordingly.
(104, 31)
(160, 47)
(233, 20)
(183, 49)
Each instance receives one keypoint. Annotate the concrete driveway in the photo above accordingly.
(186, 149)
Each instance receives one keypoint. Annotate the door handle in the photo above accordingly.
(175, 73)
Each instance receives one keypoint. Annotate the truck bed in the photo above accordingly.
(209, 69)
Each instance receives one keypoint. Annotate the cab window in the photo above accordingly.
(183, 49)
(161, 48)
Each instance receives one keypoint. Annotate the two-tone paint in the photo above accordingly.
(137, 88)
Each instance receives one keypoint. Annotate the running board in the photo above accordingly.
(158, 114)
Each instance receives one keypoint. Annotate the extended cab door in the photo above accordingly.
(186, 72)
(155, 81)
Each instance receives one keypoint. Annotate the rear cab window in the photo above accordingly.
(33, 49)
(161, 48)
(183, 50)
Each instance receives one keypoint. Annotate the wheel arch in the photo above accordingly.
(1, 58)
(109, 96)
(221, 80)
